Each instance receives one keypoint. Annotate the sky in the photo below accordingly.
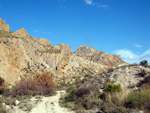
(113, 26)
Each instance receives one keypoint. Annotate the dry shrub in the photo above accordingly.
(83, 98)
(145, 81)
(41, 84)
(114, 102)
(3, 85)
(139, 99)
(117, 98)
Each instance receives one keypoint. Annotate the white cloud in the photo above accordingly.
(130, 57)
(103, 6)
(39, 31)
(138, 45)
(36, 31)
(146, 53)
(89, 2)
(45, 32)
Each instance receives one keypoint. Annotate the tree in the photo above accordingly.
(144, 63)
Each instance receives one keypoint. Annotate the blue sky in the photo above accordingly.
(114, 26)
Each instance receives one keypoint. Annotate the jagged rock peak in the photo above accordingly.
(86, 49)
(65, 49)
(21, 33)
(3, 25)
(44, 42)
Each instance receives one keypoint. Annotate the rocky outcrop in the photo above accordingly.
(44, 42)
(22, 33)
(26, 55)
(130, 77)
(64, 48)
(4, 26)
(12, 61)
(63, 63)
(99, 57)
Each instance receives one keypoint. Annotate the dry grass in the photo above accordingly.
(41, 84)
(117, 98)
(139, 99)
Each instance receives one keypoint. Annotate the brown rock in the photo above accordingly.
(44, 42)
(63, 63)
(25, 56)
(64, 48)
(12, 60)
(21, 33)
(4, 26)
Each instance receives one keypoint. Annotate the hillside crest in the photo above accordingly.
(23, 55)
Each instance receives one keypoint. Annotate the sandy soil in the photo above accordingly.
(50, 105)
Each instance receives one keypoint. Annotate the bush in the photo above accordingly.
(7, 34)
(41, 84)
(1, 81)
(110, 87)
(2, 85)
(82, 98)
(139, 99)
(71, 94)
(144, 63)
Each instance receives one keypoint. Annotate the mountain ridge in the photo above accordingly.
(23, 55)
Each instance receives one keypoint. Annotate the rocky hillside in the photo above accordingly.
(23, 55)
(128, 76)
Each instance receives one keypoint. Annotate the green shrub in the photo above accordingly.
(139, 99)
(7, 34)
(71, 94)
(111, 87)
(82, 98)
(144, 63)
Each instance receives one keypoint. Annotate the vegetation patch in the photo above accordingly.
(144, 63)
(41, 84)
(139, 99)
(7, 34)
(81, 98)
(111, 87)
(51, 50)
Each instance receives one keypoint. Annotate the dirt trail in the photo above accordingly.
(50, 105)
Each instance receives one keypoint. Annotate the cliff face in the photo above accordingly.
(4, 26)
(129, 76)
(21, 33)
(26, 55)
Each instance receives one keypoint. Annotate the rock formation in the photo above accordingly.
(4, 26)
(21, 33)
(129, 76)
(44, 42)
(26, 55)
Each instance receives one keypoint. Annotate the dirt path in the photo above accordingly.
(51, 105)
